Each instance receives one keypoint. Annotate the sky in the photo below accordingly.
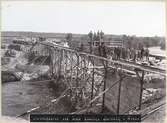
(130, 18)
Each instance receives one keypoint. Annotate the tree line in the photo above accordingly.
(129, 41)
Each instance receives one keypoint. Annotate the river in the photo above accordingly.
(157, 51)
(19, 97)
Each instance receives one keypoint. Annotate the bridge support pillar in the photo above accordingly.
(119, 92)
(105, 64)
(61, 57)
(77, 79)
(51, 62)
(92, 93)
(71, 67)
(141, 78)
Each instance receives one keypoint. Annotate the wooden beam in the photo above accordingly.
(119, 95)
(93, 73)
(141, 87)
(104, 86)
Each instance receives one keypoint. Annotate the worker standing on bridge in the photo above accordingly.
(142, 53)
(119, 53)
(128, 54)
(115, 53)
(133, 54)
(136, 55)
(102, 50)
(147, 54)
(124, 53)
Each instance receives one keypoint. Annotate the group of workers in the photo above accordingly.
(130, 54)
(125, 53)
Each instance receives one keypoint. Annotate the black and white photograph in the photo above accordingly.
(83, 58)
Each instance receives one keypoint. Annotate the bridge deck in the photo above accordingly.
(123, 63)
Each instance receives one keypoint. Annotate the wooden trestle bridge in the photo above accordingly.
(94, 80)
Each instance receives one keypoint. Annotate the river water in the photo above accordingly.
(157, 51)
(19, 97)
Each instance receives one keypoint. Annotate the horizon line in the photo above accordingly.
(135, 35)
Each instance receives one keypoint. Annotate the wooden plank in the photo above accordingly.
(119, 96)
(141, 87)
(104, 86)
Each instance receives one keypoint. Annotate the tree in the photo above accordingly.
(162, 45)
(147, 44)
(129, 42)
(94, 36)
(81, 47)
(90, 35)
(42, 39)
(102, 34)
(98, 36)
(140, 46)
(69, 39)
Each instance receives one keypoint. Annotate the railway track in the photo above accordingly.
(147, 114)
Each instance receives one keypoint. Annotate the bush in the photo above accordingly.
(10, 53)
(5, 60)
(15, 47)
(9, 77)
(3, 46)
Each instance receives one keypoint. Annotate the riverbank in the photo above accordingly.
(157, 51)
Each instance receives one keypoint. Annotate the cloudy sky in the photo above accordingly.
(131, 18)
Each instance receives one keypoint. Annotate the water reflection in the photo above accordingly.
(18, 97)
